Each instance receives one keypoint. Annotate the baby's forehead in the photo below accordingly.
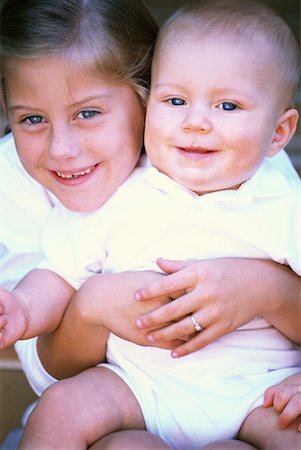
(259, 28)
(214, 59)
(258, 49)
(201, 35)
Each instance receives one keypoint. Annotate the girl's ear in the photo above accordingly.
(2, 100)
(3, 113)
(2, 97)
(284, 131)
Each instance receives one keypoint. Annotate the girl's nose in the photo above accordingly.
(197, 120)
(63, 143)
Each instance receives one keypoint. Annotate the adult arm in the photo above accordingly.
(104, 302)
(223, 294)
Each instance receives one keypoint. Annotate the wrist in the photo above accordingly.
(22, 314)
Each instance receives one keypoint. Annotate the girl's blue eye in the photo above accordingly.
(228, 106)
(176, 101)
(87, 114)
(34, 120)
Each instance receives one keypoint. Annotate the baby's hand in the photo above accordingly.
(13, 318)
(285, 397)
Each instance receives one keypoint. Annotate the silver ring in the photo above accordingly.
(197, 326)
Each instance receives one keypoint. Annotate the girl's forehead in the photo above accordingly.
(71, 70)
(32, 76)
(28, 81)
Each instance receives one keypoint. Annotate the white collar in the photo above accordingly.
(268, 181)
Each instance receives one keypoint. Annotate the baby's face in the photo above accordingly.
(211, 114)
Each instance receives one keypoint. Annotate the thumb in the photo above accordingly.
(170, 266)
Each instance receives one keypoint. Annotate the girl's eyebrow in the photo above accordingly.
(90, 98)
(17, 107)
(77, 103)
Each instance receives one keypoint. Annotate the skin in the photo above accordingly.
(62, 118)
(26, 312)
(200, 120)
(221, 300)
(81, 120)
(209, 128)
(195, 174)
(203, 121)
(285, 397)
(130, 439)
(200, 114)
(215, 290)
(62, 135)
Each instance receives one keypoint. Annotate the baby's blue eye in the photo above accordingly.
(177, 101)
(34, 120)
(228, 106)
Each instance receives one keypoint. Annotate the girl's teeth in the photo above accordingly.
(74, 175)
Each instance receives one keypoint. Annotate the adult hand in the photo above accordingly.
(214, 291)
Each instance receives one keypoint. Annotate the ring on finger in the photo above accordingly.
(197, 326)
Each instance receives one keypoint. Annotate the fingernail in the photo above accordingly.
(137, 296)
(150, 338)
(174, 354)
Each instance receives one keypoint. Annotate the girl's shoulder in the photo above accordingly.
(16, 184)
(21, 196)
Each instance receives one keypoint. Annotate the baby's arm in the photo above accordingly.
(35, 306)
(105, 302)
(285, 397)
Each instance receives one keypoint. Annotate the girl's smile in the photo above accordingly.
(80, 138)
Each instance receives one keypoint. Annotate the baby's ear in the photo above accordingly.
(284, 131)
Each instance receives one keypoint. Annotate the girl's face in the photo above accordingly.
(79, 135)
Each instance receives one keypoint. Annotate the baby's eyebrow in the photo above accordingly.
(169, 85)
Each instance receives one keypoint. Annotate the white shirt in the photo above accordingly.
(151, 215)
(25, 206)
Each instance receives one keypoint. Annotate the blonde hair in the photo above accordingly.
(111, 37)
(238, 20)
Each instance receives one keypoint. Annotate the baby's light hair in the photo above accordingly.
(112, 37)
(241, 21)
